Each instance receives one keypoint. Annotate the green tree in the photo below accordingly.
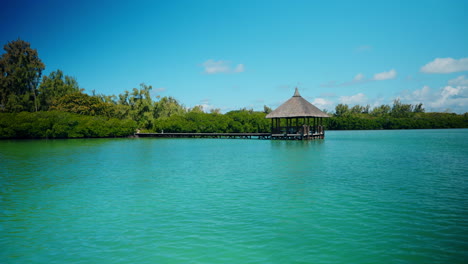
(57, 124)
(55, 86)
(381, 110)
(20, 73)
(419, 108)
(168, 106)
(267, 109)
(215, 111)
(366, 109)
(341, 110)
(141, 106)
(357, 109)
(196, 109)
(401, 110)
(81, 103)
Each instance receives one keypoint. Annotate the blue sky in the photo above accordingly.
(235, 54)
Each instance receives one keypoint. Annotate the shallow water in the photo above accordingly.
(355, 197)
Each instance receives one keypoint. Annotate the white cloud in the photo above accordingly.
(359, 77)
(424, 94)
(359, 98)
(322, 103)
(214, 67)
(454, 98)
(446, 65)
(460, 80)
(239, 68)
(160, 90)
(385, 75)
(207, 107)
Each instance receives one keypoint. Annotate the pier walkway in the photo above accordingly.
(233, 135)
(296, 119)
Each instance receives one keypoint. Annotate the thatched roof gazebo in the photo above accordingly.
(308, 120)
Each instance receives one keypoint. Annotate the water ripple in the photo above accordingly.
(357, 197)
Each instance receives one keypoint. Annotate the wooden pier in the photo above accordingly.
(235, 135)
(206, 135)
(308, 124)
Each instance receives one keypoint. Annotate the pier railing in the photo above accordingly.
(206, 135)
(303, 130)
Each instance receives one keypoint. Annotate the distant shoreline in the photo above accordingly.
(60, 124)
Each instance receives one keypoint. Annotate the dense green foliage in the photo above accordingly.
(55, 124)
(418, 121)
(54, 87)
(20, 74)
(56, 107)
(83, 104)
(242, 121)
(398, 116)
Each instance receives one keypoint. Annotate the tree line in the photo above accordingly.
(54, 106)
(421, 121)
(397, 116)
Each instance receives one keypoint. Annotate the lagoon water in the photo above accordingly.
(355, 197)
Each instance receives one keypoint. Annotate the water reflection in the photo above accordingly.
(278, 144)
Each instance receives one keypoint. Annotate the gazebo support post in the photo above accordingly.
(315, 125)
(297, 119)
(297, 125)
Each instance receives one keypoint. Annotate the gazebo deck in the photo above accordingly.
(298, 136)
(297, 119)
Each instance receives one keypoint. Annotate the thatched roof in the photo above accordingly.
(296, 107)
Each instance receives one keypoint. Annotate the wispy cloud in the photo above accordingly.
(160, 89)
(359, 98)
(322, 103)
(452, 97)
(205, 105)
(446, 65)
(385, 75)
(361, 78)
(239, 68)
(157, 91)
(460, 80)
(215, 67)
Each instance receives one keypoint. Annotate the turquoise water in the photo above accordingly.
(355, 197)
